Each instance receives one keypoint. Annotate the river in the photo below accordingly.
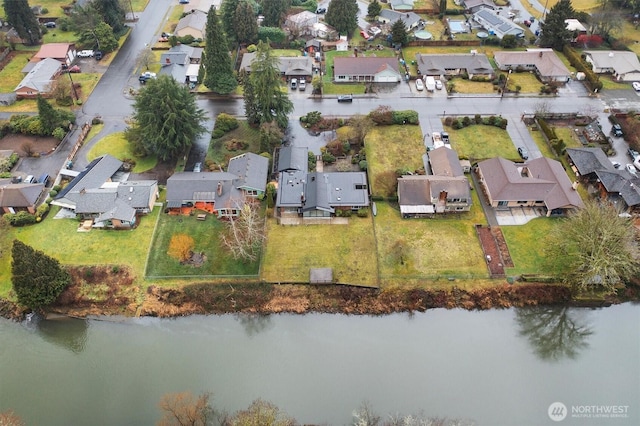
(499, 367)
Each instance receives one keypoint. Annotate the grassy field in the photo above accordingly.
(528, 82)
(467, 86)
(56, 35)
(390, 148)
(480, 142)
(219, 153)
(428, 249)
(172, 20)
(527, 245)
(348, 249)
(204, 234)
(59, 238)
(11, 75)
(116, 145)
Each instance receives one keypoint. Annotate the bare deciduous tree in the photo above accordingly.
(245, 233)
(181, 247)
(184, 409)
(145, 58)
(360, 126)
(261, 413)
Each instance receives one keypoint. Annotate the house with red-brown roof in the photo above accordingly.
(15, 197)
(540, 182)
(544, 62)
(366, 69)
(65, 53)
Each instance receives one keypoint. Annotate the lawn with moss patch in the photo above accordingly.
(116, 145)
(528, 82)
(428, 249)
(348, 249)
(480, 142)
(390, 148)
(206, 236)
(219, 151)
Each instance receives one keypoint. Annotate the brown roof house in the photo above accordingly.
(193, 24)
(65, 53)
(540, 182)
(366, 69)
(15, 197)
(622, 65)
(544, 62)
(447, 190)
(473, 64)
(39, 80)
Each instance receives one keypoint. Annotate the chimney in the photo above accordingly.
(443, 196)
(167, 61)
(219, 189)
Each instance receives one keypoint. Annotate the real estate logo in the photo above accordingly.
(557, 411)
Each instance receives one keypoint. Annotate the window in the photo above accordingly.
(503, 203)
(361, 186)
(251, 192)
(522, 202)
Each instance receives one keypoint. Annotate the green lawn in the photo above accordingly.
(205, 235)
(11, 75)
(479, 142)
(467, 86)
(219, 153)
(116, 145)
(390, 148)
(286, 52)
(59, 238)
(527, 246)
(56, 35)
(348, 249)
(428, 248)
(174, 17)
(528, 82)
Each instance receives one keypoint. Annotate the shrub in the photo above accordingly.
(466, 121)
(363, 212)
(335, 147)
(312, 117)
(383, 115)
(53, 193)
(96, 120)
(405, 117)
(363, 165)
(328, 158)
(42, 210)
(20, 218)
(226, 123)
(477, 118)
(252, 48)
(58, 133)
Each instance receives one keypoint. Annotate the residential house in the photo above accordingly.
(301, 23)
(540, 183)
(181, 62)
(544, 62)
(586, 161)
(622, 65)
(366, 69)
(220, 193)
(342, 45)
(65, 53)
(401, 5)
(576, 27)
(101, 193)
(290, 66)
(446, 190)
(475, 5)
(15, 197)
(437, 65)
(39, 81)
(193, 24)
(291, 158)
(411, 20)
(496, 24)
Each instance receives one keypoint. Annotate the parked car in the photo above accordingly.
(438, 85)
(302, 85)
(85, 54)
(636, 86)
(146, 76)
(321, 10)
(98, 55)
(523, 153)
(163, 39)
(184, 2)
(419, 85)
(616, 130)
(445, 137)
(44, 179)
(631, 169)
(615, 164)
(197, 167)
(294, 83)
(345, 98)
(633, 153)
(32, 178)
(50, 24)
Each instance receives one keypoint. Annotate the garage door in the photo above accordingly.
(387, 79)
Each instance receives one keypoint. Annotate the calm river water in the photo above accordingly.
(500, 367)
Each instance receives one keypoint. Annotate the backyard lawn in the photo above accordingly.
(11, 75)
(224, 148)
(390, 148)
(479, 142)
(428, 248)
(348, 249)
(116, 145)
(205, 235)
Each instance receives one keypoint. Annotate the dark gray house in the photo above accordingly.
(181, 62)
(473, 64)
(290, 66)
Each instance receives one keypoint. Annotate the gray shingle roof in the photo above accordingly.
(445, 162)
(588, 160)
(621, 61)
(364, 66)
(288, 65)
(20, 194)
(546, 61)
(120, 211)
(292, 158)
(251, 171)
(95, 175)
(409, 19)
(499, 24)
(41, 75)
(434, 64)
(618, 181)
(196, 20)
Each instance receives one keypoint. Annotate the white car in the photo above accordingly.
(438, 85)
(636, 86)
(419, 84)
(631, 169)
(85, 54)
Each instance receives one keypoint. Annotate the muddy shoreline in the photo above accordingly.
(265, 299)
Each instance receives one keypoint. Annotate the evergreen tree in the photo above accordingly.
(246, 25)
(105, 39)
(250, 106)
(112, 13)
(554, 30)
(37, 278)
(49, 117)
(228, 17)
(219, 76)
(342, 15)
(166, 119)
(399, 34)
(22, 18)
(373, 10)
(443, 7)
(269, 101)
(90, 27)
(273, 12)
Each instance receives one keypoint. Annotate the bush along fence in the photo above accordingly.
(592, 80)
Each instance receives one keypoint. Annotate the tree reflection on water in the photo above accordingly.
(555, 332)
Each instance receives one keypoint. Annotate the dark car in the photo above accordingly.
(523, 153)
(345, 98)
(633, 154)
(616, 130)
(98, 55)
(321, 10)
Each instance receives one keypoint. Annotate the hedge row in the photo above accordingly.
(578, 63)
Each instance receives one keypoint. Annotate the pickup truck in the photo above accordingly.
(437, 139)
(85, 54)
